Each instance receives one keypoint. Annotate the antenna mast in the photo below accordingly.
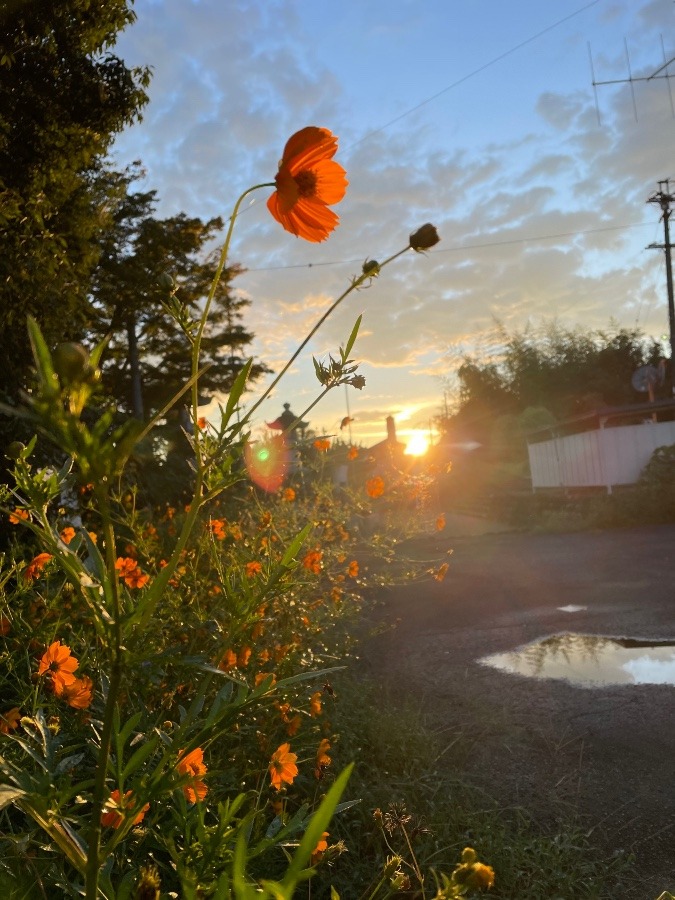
(664, 199)
(657, 75)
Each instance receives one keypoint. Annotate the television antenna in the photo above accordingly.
(659, 74)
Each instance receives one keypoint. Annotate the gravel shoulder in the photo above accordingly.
(602, 754)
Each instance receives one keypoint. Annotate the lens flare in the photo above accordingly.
(267, 463)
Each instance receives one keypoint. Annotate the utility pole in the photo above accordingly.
(664, 199)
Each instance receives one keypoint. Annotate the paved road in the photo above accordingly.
(606, 753)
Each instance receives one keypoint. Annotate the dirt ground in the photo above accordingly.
(603, 754)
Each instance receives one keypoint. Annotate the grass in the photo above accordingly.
(400, 759)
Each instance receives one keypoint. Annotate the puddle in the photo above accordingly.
(591, 660)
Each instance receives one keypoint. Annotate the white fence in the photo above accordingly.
(605, 457)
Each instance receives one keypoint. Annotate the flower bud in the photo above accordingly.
(424, 238)
(71, 362)
(165, 281)
(469, 855)
(14, 450)
(371, 267)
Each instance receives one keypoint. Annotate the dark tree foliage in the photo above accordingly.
(64, 95)
(145, 261)
(566, 372)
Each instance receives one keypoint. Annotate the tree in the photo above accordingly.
(64, 95)
(556, 371)
(146, 262)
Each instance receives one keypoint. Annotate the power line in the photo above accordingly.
(474, 72)
(461, 247)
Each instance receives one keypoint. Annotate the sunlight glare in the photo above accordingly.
(418, 444)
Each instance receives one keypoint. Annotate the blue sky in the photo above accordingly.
(478, 116)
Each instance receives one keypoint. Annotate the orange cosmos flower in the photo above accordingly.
(375, 486)
(78, 694)
(353, 570)
(228, 661)
(217, 527)
(244, 657)
(315, 704)
(19, 515)
(282, 767)
(67, 534)
(322, 758)
(288, 495)
(312, 561)
(119, 808)
(321, 444)
(59, 663)
(308, 181)
(10, 720)
(320, 849)
(192, 764)
(36, 566)
(253, 568)
(352, 453)
(440, 522)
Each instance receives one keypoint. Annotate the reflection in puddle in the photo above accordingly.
(591, 660)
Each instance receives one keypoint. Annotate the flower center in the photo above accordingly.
(306, 182)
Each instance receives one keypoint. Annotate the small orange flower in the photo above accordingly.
(78, 694)
(228, 661)
(193, 765)
(352, 453)
(442, 572)
(288, 495)
(125, 565)
(244, 656)
(19, 515)
(253, 568)
(321, 444)
(320, 849)
(353, 570)
(136, 579)
(9, 720)
(201, 422)
(312, 561)
(308, 181)
(282, 766)
(263, 676)
(217, 527)
(375, 486)
(315, 704)
(59, 664)
(322, 758)
(120, 808)
(440, 522)
(36, 566)
(67, 534)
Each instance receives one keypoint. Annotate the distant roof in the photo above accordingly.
(286, 419)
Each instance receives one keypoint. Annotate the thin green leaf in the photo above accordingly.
(318, 824)
(352, 338)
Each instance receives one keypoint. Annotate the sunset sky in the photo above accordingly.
(477, 116)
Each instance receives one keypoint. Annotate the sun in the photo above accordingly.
(418, 444)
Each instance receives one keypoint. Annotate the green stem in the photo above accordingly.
(94, 861)
(196, 347)
(356, 283)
